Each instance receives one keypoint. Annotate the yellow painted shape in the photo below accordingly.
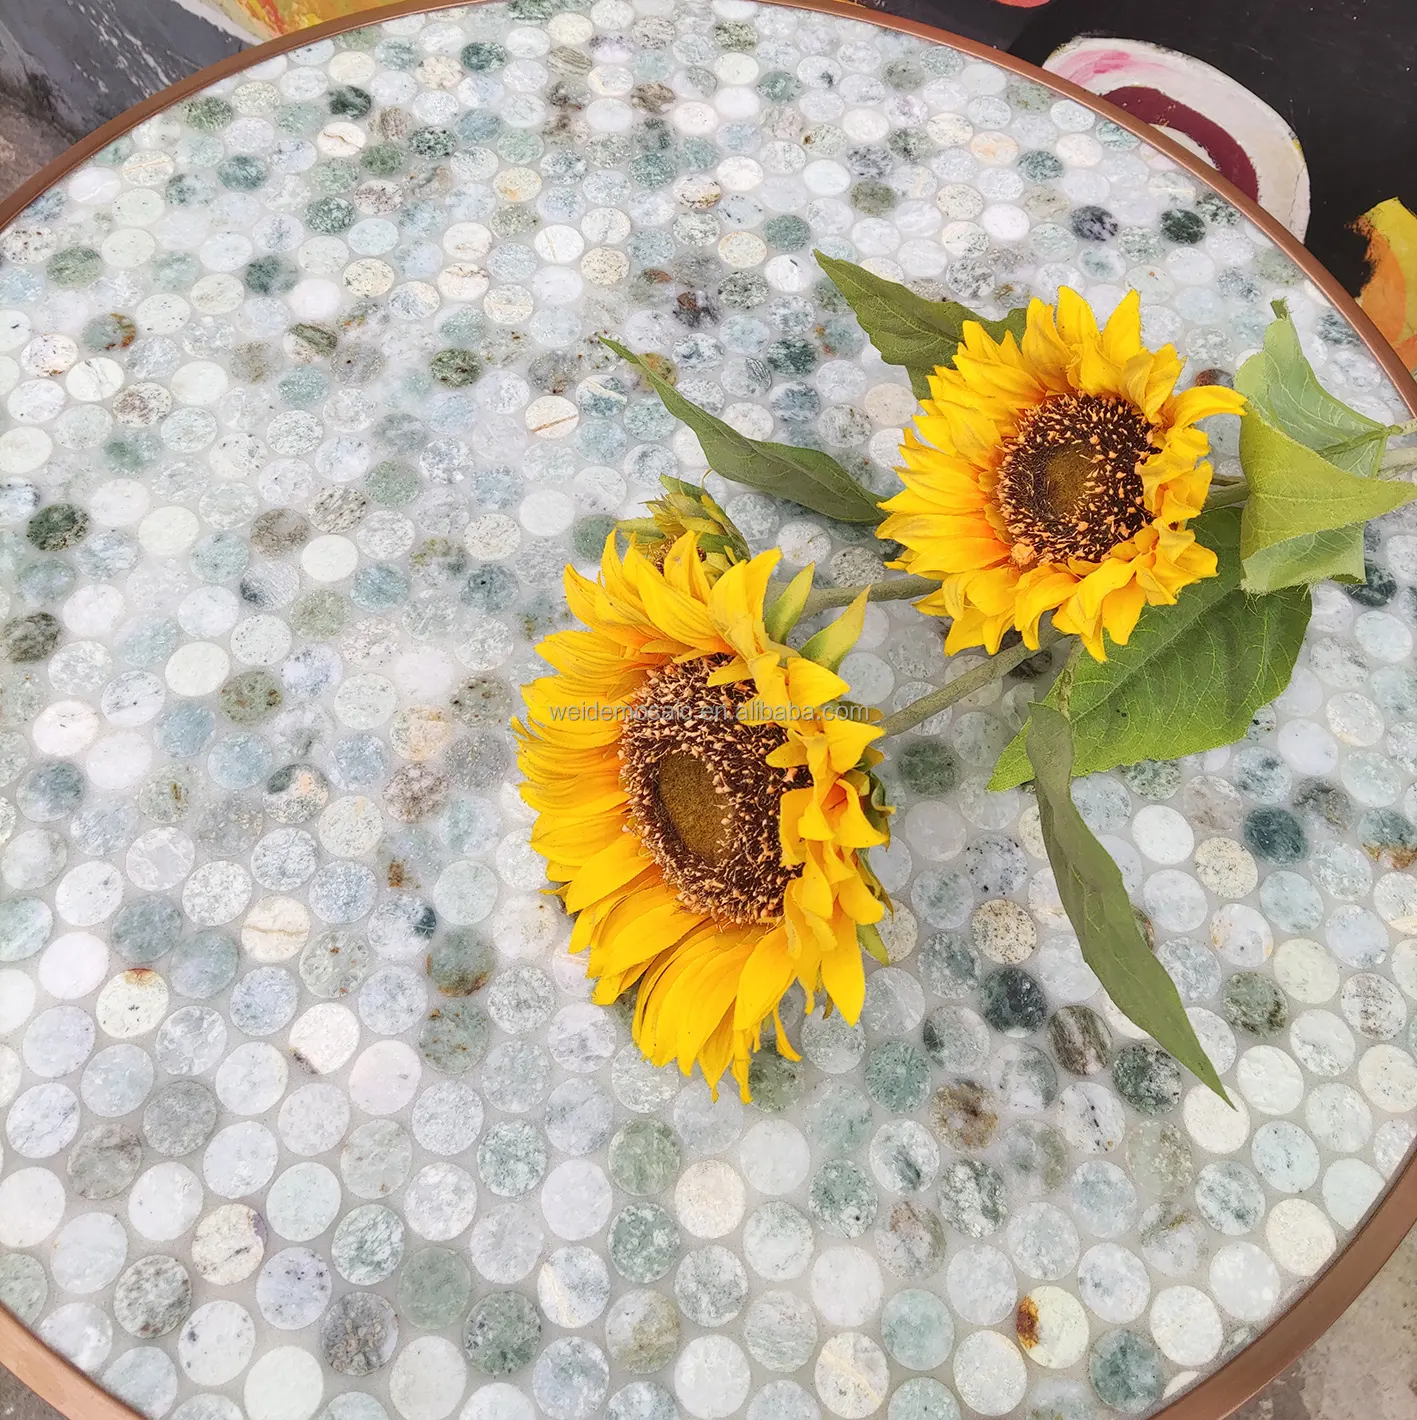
(269, 18)
(1390, 297)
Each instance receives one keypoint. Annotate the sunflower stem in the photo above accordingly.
(892, 589)
(995, 668)
(1226, 495)
(1391, 431)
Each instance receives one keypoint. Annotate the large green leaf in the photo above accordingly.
(805, 476)
(1190, 677)
(1282, 383)
(907, 329)
(1095, 899)
(1336, 555)
(1283, 390)
(1297, 493)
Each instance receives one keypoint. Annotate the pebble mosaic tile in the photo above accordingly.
(307, 1113)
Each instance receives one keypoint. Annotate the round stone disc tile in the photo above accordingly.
(284, 1383)
(228, 1244)
(428, 1379)
(434, 1286)
(358, 1334)
(152, 1297)
(294, 1288)
(104, 1161)
(217, 1343)
(179, 1118)
(502, 1333)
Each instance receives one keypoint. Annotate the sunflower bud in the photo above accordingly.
(685, 508)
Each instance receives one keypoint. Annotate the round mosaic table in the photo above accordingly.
(307, 1112)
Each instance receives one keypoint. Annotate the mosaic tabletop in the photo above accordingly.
(307, 1111)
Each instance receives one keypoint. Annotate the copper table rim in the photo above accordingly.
(77, 1396)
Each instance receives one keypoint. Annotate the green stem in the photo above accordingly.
(995, 668)
(1392, 431)
(1226, 495)
(893, 589)
(1329, 451)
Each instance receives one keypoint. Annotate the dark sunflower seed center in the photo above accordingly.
(702, 797)
(696, 811)
(1068, 486)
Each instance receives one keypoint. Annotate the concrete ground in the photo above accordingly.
(27, 143)
(1365, 1368)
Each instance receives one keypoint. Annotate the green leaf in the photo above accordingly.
(1336, 555)
(878, 810)
(1090, 886)
(805, 476)
(786, 608)
(907, 329)
(1295, 493)
(870, 938)
(1285, 396)
(1191, 676)
(1282, 383)
(835, 639)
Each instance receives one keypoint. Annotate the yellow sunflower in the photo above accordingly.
(704, 800)
(1056, 474)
